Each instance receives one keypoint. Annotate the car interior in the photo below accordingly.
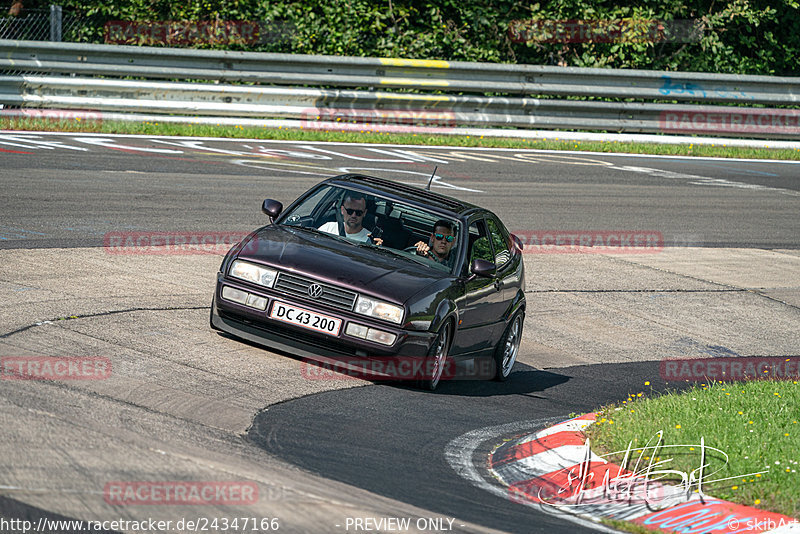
(399, 226)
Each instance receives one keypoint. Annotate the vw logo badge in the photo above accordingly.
(315, 291)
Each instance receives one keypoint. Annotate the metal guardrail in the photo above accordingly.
(289, 69)
(361, 107)
(280, 70)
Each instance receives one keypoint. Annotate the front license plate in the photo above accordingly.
(306, 319)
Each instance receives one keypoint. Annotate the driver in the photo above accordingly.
(440, 244)
(352, 209)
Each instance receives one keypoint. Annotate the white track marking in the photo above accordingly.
(460, 451)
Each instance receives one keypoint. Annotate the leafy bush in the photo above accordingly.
(738, 36)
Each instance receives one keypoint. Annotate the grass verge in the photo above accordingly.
(756, 423)
(554, 143)
(627, 526)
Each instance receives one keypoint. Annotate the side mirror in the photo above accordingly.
(517, 242)
(483, 268)
(272, 208)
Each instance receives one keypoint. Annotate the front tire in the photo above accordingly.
(437, 358)
(505, 354)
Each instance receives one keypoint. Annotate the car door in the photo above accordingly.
(482, 305)
(507, 259)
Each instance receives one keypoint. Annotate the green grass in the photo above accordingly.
(756, 423)
(627, 526)
(554, 143)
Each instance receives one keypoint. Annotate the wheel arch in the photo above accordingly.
(519, 303)
(445, 311)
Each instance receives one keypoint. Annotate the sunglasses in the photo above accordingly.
(439, 237)
(358, 213)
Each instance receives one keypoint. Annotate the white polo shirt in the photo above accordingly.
(333, 228)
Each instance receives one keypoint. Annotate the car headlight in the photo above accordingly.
(253, 273)
(379, 309)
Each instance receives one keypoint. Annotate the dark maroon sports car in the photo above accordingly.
(380, 278)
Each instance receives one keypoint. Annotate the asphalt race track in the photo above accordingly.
(183, 403)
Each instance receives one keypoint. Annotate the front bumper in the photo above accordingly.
(255, 326)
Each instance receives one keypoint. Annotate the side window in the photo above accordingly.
(479, 247)
(500, 241)
(312, 208)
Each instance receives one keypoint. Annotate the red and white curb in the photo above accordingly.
(555, 468)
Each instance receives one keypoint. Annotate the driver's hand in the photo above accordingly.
(377, 241)
(422, 248)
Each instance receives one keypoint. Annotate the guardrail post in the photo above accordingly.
(55, 22)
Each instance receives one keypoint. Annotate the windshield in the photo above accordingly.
(361, 219)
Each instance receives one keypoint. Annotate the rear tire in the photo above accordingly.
(505, 354)
(437, 358)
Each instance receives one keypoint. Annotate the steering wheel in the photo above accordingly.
(414, 250)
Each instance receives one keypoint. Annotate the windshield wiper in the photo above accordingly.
(306, 228)
(387, 250)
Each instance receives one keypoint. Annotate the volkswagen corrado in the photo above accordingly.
(383, 278)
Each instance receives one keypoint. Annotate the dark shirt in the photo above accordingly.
(447, 261)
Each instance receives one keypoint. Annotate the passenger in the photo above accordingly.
(440, 244)
(353, 210)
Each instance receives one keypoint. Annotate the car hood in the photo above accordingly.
(365, 269)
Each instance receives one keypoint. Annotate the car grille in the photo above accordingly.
(331, 295)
